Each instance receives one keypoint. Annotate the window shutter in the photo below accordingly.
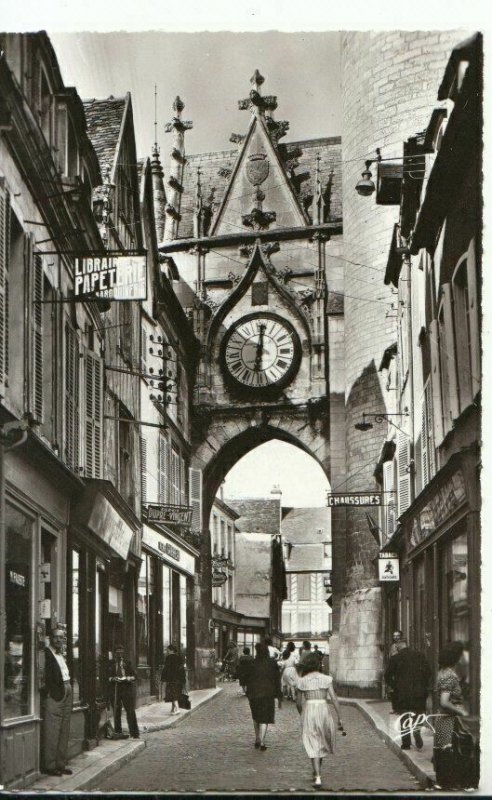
(163, 468)
(436, 382)
(473, 318)
(195, 483)
(424, 437)
(4, 285)
(404, 476)
(429, 412)
(449, 352)
(182, 492)
(72, 390)
(388, 486)
(36, 313)
(61, 139)
(143, 468)
(143, 352)
(93, 415)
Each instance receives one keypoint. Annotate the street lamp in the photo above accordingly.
(364, 425)
(366, 186)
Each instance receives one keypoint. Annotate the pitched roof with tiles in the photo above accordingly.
(104, 119)
(217, 167)
(304, 524)
(256, 514)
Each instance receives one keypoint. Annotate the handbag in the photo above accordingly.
(464, 751)
(184, 701)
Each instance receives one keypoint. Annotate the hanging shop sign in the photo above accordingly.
(446, 499)
(111, 277)
(388, 567)
(353, 499)
(169, 514)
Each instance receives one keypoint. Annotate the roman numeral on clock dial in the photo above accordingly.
(260, 351)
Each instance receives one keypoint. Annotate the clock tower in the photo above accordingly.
(253, 244)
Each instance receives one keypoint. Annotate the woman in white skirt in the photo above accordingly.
(287, 665)
(318, 729)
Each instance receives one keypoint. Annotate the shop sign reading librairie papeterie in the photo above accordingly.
(353, 499)
(120, 277)
(169, 514)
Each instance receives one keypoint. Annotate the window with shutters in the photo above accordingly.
(428, 455)
(36, 315)
(404, 473)
(143, 352)
(303, 622)
(447, 360)
(43, 103)
(195, 487)
(390, 507)
(93, 415)
(143, 468)
(163, 468)
(303, 586)
(4, 284)
(126, 484)
(72, 398)
(175, 476)
(462, 332)
(50, 363)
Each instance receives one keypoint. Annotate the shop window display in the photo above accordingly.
(18, 623)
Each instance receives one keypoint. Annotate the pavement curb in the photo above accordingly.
(419, 773)
(104, 772)
(162, 726)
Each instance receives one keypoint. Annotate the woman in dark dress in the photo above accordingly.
(263, 686)
(174, 676)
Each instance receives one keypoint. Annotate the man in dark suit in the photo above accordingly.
(122, 691)
(408, 675)
(57, 696)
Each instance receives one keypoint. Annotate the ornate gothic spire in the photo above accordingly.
(158, 191)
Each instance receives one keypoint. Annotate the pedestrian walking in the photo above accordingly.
(319, 655)
(408, 674)
(262, 688)
(318, 729)
(273, 651)
(243, 668)
(174, 676)
(304, 652)
(230, 662)
(122, 677)
(452, 770)
(287, 665)
(57, 696)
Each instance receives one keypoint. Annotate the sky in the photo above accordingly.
(302, 69)
(300, 477)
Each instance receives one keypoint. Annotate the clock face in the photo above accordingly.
(261, 351)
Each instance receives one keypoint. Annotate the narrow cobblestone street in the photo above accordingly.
(213, 750)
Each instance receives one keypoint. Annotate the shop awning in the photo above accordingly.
(96, 511)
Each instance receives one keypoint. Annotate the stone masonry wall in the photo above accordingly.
(389, 89)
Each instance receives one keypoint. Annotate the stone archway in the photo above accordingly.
(221, 440)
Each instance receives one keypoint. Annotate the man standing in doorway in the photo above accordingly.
(122, 693)
(57, 706)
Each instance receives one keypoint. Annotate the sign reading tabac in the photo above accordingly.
(353, 499)
(169, 514)
(111, 277)
(388, 567)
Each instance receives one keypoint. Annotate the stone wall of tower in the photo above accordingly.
(389, 88)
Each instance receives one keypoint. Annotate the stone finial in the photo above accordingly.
(319, 203)
(178, 105)
(257, 79)
(198, 211)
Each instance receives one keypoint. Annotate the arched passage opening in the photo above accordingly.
(214, 602)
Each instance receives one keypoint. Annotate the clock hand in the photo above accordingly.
(259, 349)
